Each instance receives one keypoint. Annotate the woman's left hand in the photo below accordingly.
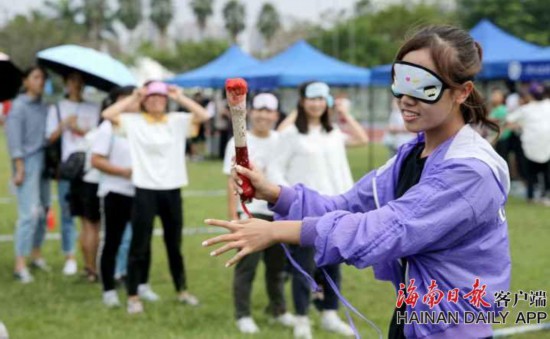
(175, 92)
(247, 236)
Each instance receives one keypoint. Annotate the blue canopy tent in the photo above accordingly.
(232, 59)
(499, 49)
(535, 67)
(381, 75)
(299, 63)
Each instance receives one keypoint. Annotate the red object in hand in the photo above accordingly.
(236, 91)
(236, 97)
(242, 160)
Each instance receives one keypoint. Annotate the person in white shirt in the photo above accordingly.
(533, 119)
(111, 155)
(262, 143)
(312, 152)
(157, 148)
(70, 119)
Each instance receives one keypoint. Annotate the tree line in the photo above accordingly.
(366, 35)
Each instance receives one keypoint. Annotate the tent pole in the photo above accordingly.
(370, 165)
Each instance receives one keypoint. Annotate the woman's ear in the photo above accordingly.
(462, 93)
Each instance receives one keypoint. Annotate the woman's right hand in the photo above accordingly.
(68, 122)
(127, 173)
(19, 177)
(264, 190)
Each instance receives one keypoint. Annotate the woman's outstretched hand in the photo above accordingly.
(252, 235)
(247, 236)
(264, 190)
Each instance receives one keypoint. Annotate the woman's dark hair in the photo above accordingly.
(457, 58)
(113, 95)
(301, 119)
(31, 69)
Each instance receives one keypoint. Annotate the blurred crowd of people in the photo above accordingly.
(524, 141)
(119, 165)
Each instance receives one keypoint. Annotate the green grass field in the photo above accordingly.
(58, 307)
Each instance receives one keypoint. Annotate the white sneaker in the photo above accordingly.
(287, 319)
(134, 307)
(24, 276)
(40, 264)
(302, 328)
(70, 267)
(545, 201)
(110, 299)
(146, 293)
(247, 325)
(3, 331)
(188, 299)
(330, 321)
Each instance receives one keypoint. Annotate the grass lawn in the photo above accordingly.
(58, 307)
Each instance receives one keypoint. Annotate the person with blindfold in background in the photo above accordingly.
(312, 141)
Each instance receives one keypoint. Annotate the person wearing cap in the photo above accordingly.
(110, 153)
(533, 119)
(315, 144)
(70, 119)
(262, 144)
(157, 148)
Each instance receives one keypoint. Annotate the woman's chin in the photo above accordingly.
(413, 127)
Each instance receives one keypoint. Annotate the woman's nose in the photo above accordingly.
(408, 101)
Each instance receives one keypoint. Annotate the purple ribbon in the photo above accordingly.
(316, 288)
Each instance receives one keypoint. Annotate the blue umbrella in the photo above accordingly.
(98, 69)
(11, 78)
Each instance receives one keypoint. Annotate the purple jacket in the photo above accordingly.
(451, 227)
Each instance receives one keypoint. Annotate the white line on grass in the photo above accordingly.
(157, 232)
(505, 332)
(186, 194)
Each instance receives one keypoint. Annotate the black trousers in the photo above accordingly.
(514, 145)
(301, 290)
(397, 331)
(274, 260)
(167, 204)
(117, 211)
(533, 171)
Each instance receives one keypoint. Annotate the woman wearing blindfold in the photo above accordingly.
(432, 213)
